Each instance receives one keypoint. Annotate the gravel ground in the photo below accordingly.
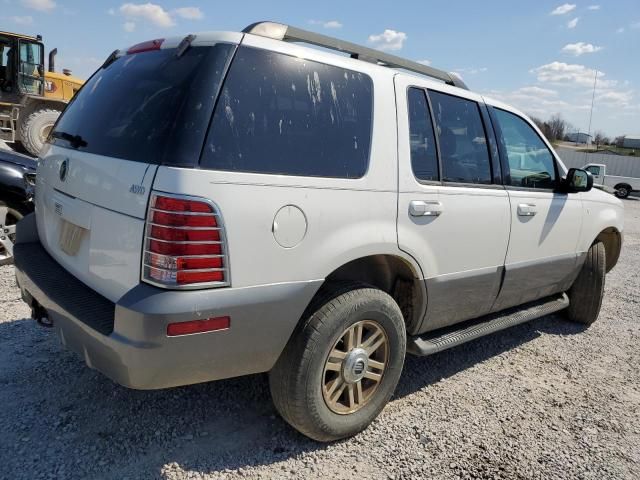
(543, 400)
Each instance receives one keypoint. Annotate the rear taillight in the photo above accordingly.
(184, 245)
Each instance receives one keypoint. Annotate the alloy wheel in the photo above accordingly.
(354, 367)
(8, 219)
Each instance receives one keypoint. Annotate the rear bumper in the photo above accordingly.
(127, 340)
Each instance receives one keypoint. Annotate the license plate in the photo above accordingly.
(70, 237)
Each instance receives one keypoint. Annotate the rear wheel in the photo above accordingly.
(342, 365)
(585, 295)
(622, 191)
(9, 216)
(36, 128)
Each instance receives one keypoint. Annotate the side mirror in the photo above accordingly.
(578, 180)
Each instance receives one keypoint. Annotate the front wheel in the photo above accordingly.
(585, 295)
(342, 364)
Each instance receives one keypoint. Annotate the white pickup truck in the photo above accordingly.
(622, 186)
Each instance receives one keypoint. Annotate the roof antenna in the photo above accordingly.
(595, 81)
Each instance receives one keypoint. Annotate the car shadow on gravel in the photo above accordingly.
(105, 430)
(420, 372)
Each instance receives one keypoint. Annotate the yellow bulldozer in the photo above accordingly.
(30, 98)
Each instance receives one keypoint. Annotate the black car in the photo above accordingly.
(17, 182)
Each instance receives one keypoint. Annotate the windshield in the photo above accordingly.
(151, 107)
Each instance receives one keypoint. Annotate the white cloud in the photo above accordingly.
(573, 23)
(471, 70)
(189, 13)
(538, 91)
(580, 48)
(425, 62)
(615, 98)
(635, 25)
(129, 26)
(532, 102)
(563, 9)
(620, 30)
(148, 11)
(388, 40)
(332, 24)
(40, 5)
(561, 73)
(26, 20)
(326, 24)
(593, 7)
(111, 11)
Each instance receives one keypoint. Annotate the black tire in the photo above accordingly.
(585, 295)
(296, 381)
(34, 129)
(622, 191)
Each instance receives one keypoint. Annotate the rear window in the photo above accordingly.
(150, 107)
(463, 145)
(279, 114)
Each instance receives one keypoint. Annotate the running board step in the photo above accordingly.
(432, 342)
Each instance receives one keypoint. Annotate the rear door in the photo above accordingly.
(148, 107)
(545, 224)
(453, 213)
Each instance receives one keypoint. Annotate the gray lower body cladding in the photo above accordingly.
(133, 348)
(462, 296)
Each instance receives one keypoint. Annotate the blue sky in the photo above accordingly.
(539, 56)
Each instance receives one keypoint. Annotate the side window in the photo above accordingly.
(424, 158)
(530, 161)
(279, 114)
(463, 145)
(593, 170)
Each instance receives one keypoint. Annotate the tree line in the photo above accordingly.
(557, 128)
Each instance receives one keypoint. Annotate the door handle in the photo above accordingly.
(425, 208)
(527, 209)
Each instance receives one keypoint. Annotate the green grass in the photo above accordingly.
(613, 149)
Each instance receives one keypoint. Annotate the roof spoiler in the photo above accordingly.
(287, 33)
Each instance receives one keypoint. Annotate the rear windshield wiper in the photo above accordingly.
(76, 141)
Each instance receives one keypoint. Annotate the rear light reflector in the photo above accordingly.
(184, 243)
(185, 277)
(181, 205)
(184, 235)
(198, 326)
(174, 249)
(146, 46)
(176, 220)
(199, 263)
(183, 263)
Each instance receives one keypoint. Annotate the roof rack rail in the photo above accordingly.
(279, 31)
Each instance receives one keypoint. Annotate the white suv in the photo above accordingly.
(233, 203)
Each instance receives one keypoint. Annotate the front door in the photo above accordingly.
(545, 224)
(597, 172)
(453, 217)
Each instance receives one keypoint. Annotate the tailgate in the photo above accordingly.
(90, 212)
